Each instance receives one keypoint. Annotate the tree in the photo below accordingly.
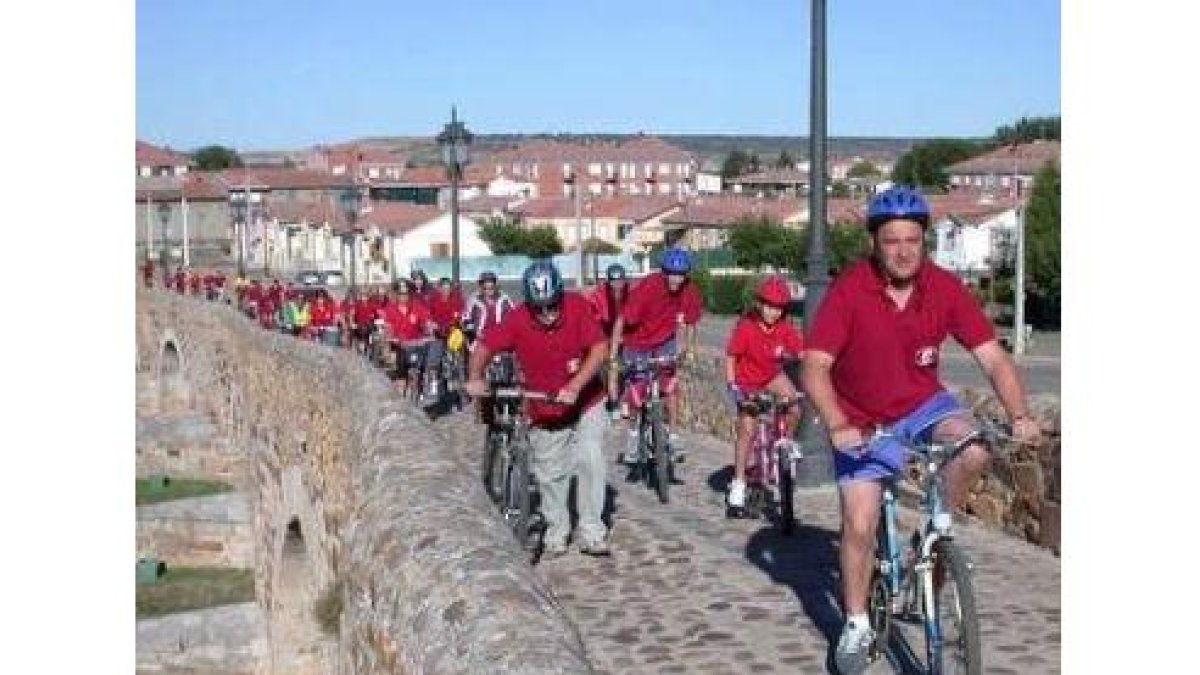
(216, 157)
(542, 242)
(502, 237)
(1043, 244)
(1029, 129)
(862, 169)
(924, 165)
(785, 161)
(847, 242)
(839, 189)
(736, 163)
(759, 242)
(596, 245)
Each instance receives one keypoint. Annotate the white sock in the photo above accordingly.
(859, 620)
(737, 493)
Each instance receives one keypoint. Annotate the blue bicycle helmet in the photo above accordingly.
(676, 260)
(542, 284)
(615, 272)
(895, 203)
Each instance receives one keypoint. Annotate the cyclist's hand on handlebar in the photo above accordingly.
(477, 388)
(1026, 430)
(566, 396)
(847, 439)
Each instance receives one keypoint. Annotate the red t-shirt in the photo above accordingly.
(652, 312)
(550, 356)
(363, 310)
(446, 311)
(757, 350)
(407, 322)
(605, 310)
(322, 314)
(886, 359)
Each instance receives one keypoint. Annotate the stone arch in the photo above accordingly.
(169, 374)
(297, 644)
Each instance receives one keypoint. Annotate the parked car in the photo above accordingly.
(321, 278)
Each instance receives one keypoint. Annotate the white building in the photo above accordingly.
(975, 247)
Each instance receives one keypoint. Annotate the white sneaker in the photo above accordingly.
(737, 493)
(851, 655)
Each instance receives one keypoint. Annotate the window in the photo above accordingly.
(373, 172)
(594, 169)
(566, 190)
(664, 168)
(439, 250)
(664, 188)
(594, 188)
(516, 169)
(566, 169)
(535, 171)
(648, 169)
(610, 169)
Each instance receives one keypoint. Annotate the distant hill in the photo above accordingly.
(711, 147)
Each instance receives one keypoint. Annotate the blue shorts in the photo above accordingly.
(885, 454)
(668, 348)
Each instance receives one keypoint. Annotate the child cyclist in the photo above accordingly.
(759, 345)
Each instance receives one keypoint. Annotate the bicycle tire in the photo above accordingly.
(495, 465)
(662, 457)
(954, 607)
(787, 513)
(520, 492)
(879, 614)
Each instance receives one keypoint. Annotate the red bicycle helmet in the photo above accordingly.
(774, 291)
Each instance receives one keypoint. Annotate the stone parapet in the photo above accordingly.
(430, 580)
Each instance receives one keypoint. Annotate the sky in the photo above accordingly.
(274, 74)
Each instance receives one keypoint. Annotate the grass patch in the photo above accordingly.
(328, 609)
(177, 488)
(186, 588)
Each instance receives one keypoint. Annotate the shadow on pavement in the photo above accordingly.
(806, 562)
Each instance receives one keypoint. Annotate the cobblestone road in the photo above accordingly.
(687, 591)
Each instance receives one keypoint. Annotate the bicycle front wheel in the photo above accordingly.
(662, 457)
(787, 514)
(951, 624)
(518, 497)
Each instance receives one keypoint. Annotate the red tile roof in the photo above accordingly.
(281, 178)
(196, 186)
(726, 210)
(318, 212)
(1025, 159)
(397, 217)
(640, 149)
(152, 155)
(625, 208)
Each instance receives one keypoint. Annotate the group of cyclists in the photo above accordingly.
(869, 368)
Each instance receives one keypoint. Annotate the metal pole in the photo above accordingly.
(1019, 291)
(579, 225)
(454, 170)
(149, 225)
(595, 253)
(818, 260)
(817, 468)
(184, 207)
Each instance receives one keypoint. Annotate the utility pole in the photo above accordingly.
(579, 226)
(184, 207)
(818, 261)
(1019, 291)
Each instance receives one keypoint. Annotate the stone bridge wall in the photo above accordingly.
(430, 580)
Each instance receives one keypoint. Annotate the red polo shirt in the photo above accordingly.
(322, 314)
(446, 311)
(405, 322)
(652, 312)
(758, 348)
(550, 356)
(886, 359)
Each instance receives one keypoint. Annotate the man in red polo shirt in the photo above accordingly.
(650, 323)
(409, 329)
(871, 365)
(559, 347)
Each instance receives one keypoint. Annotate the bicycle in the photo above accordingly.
(774, 454)
(507, 475)
(652, 460)
(929, 578)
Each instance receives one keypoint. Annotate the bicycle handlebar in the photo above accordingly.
(517, 392)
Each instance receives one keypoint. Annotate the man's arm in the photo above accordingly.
(615, 347)
(1006, 381)
(819, 386)
(591, 365)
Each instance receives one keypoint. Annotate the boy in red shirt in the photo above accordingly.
(324, 318)
(409, 326)
(758, 345)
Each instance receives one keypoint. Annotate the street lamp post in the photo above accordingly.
(455, 142)
(818, 260)
(164, 217)
(350, 204)
(817, 469)
(239, 211)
